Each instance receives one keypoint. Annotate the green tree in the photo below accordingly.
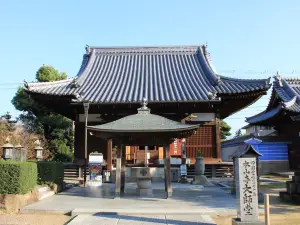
(37, 118)
(48, 73)
(225, 130)
(10, 124)
(238, 133)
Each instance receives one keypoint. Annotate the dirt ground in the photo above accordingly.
(281, 213)
(34, 219)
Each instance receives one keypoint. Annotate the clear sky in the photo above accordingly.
(253, 38)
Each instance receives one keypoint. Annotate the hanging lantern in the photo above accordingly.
(7, 149)
(38, 150)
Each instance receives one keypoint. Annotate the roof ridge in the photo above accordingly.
(266, 80)
(40, 84)
(143, 49)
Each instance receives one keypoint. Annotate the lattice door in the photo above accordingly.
(204, 140)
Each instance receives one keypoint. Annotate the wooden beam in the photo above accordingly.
(118, 173)
(167, 168)
(109, 155)
(218, 137)
(123, 169)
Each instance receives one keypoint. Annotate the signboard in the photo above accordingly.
(246, 187)
(183, 170)
(96, 158)
(175, 146)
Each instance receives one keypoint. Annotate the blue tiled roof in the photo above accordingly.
(264, 115)
(285, 97)
(160, 74)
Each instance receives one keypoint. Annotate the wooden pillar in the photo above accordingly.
(218, 137)
(167, 168)
(109, 155)
(123, 168)
(118, 173)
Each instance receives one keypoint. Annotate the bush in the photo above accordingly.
(50, 172)
(17, 177)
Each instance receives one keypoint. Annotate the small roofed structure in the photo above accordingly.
(142, 128)
(245, 150)
(283, 113)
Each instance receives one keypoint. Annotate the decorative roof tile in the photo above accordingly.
(160, 74)
(285, 97)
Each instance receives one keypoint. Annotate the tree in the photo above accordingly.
(37, 118)
(225, 130)
(238, 133)
(10, 124)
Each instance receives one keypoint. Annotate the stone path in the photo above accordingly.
(139, 220)
(186, 199)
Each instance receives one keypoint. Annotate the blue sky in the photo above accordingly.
(248, 37)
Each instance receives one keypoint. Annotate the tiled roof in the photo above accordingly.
(144, 122)
(285, 97)
(160, 74)
(244, 149)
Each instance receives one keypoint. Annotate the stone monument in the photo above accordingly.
(246, 178)
(293, 189)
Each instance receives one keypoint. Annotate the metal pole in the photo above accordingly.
(85, 151)
(267, 210)
(86, 109)
(183, 178)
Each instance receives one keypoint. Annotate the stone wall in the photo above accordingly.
(13, 203)
(267, 167)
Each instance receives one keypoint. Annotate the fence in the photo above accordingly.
(75, 172)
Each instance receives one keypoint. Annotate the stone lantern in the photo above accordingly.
(7, 149)
(38, 150)
(18, 152)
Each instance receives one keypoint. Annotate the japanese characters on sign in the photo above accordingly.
(246, 184)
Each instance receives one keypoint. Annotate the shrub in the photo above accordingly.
(17, 177)
(199, 153)
(50, 172)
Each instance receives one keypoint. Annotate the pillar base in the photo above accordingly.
(200, 179)
(145, 192)
(236, 221)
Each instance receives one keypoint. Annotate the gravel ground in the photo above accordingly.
(34, 219)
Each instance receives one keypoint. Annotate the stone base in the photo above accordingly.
(147, 192)
(236, 221)
(200, 179)
(290, 197)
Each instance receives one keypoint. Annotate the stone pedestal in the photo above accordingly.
(144, 186)
(293, 189)
(143, 179)
(236, 221)
(200, 179)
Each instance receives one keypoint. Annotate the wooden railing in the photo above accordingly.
(213, 171)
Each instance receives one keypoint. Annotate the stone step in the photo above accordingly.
(46, 194)
(142, 211)
(142, 219)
